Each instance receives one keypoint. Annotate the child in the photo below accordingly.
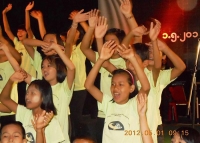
(185, 135)
(22, 32)
(120, 110)
(38, 98)
(84, 140)
(7, 52)
(13, 131)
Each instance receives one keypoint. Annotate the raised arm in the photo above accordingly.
(27, 19)
(79, 17)
(106, 53)
(179, 65)
(37, 14)
(87, 39)
(128, 54)
(142, 108)
(5, 94)
(70, 66)
(5, 22)
(9, 48)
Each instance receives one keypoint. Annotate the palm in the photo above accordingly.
(92, 21)
(125, 9)
(8, 8)
(100, 31)
(30, 6)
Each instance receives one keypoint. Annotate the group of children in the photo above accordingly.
(130, 86)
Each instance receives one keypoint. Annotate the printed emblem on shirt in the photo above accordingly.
(30, 138)
(115, 125)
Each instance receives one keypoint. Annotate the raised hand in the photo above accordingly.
(141, 104)
(29, 6)
(8, 8)
(73, 14)
(139, 31)
(93, 17)
(80, 16)
(126, 7)
(40, 121)
(125, 52)
(36, 14)
(18, 76)
(101, 27)
(154, 30)
(107, 50)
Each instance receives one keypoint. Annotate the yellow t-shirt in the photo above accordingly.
(37, 61)
(105, 79)
(78, 59)
(121, 122)
(6, 71)
(53, 132)
(154, 98)
(26, 59)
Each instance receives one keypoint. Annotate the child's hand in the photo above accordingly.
(139, 31)
(162, 45)
(125, 52)
(45, 45)
(40, 121)
(141, 104)
(8, 8)
(107, 50)
(18, 76)
(80, 17)
(3, 46)
(29, 6)
(154, 31)
(93, 17)
(126, 7)
(36, 14)
(101, 27)
(73, 14)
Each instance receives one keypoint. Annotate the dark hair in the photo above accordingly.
(47, 96)
(59, 66)
(115, 31)
(131, 80)
(142, 50)
(85, 138)
(17, 123)
(21, 27)
(82, 33)
(58, 39)
(188, 134)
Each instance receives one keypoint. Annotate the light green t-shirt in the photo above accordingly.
(78, 59)
(121, 122)
(6, 71)
(105, 79)
(37, 64)
(53, 132)
(154, 98)
(26, 59)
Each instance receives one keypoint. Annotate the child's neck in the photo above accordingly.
(37, 111)
(54, 82)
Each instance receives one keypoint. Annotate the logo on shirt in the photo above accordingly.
(30, 138)
(1, 78)
(115, 125)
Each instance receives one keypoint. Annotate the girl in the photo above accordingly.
(38, 98)
(121, 114)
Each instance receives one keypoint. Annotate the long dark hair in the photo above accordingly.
(46, 92)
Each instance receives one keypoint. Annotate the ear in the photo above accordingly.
(145, 63)
(132, 88)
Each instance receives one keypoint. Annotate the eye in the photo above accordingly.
(112, 84)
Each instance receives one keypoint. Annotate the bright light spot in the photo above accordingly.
(187, 5)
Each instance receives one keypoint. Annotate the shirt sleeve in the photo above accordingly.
(106, 99)
(21, 112)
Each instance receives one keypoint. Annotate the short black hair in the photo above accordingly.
(59, 66)
(17, 123)
(46, 92)
(21, 27)
(142, 50)
(115, 31)
(188, 134)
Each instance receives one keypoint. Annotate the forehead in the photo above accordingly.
(120, 77)
(11, 127)
(49, 36)
(110, 37)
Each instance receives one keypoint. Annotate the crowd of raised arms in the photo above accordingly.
(131, 81)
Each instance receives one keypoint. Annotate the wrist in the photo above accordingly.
(74, 25)
(39, 130)
(129, 16)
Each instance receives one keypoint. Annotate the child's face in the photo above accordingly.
(21, 34)
(49, 71)
(50, 38)
(120, 88)
(177, 139)
(33, 98)
(151, 57)
(12, 133)
(113, 37)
